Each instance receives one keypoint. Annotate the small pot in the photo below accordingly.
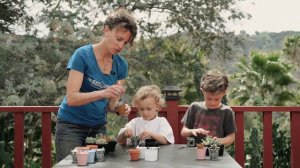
(201, 153)
(92, 146)
(214, 153)
(151, 154)
(100, 155)
(91, 156)
(82, 157)
(134, 154)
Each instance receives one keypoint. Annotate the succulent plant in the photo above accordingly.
(90, 140)
(101, 141)
(210, 142)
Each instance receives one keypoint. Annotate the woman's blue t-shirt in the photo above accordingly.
(94, 113)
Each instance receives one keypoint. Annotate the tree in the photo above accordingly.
(203, 20)
(292, 49)
(12, 13)
(264, 80)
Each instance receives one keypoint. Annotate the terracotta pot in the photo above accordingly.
(92, 146)
(121, 108)
(201, 153)
(134, 154)
(82, 148)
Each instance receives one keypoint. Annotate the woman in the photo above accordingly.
(96, 75)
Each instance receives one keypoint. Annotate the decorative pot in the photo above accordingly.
(214, 153)
(221, 150)
(100, 155)
(201, 153)
(142, 152)
(91, 157)
(151, 154)
(134, 154)
(73, 154)
(82, 157)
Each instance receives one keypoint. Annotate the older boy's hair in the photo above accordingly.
(122, 19)
(149, 91)
(214, 82)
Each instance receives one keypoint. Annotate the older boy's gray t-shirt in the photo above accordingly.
(220, 122)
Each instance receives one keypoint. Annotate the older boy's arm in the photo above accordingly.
(186, 132)
(228, 140)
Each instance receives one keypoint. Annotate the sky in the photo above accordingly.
(269, 15)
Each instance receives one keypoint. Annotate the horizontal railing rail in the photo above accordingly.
(173, 112)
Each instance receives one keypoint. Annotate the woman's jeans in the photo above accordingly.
(68, 136)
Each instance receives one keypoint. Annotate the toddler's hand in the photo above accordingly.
(145, 135)
(128, 133)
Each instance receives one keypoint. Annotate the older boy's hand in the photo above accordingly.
(197, 131)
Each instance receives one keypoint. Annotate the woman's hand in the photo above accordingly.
(127, 110)
(128, 133)
(114, 92)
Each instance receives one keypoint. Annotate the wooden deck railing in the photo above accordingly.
(173, 112)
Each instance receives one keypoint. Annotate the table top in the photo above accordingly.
(169, 156)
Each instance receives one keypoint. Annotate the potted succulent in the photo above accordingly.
(91, 142)
(109, 143)
(213, 146)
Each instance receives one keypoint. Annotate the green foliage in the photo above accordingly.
(265, 81)
(281, 146)
(5, 161)
(253, 150)
(210, 142)
(292, 49)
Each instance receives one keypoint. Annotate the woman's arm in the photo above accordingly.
(76, 98)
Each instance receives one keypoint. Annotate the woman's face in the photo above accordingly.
(116, 39)
(148, 108)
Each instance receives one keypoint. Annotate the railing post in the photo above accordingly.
(267, 139)
(172, 117)
(46, 140)
(19, 139)
(295, 139)
(172, 96)
(239, 138)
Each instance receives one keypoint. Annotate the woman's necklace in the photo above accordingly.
(106, 67)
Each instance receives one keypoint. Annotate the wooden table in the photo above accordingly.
(169, 156)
